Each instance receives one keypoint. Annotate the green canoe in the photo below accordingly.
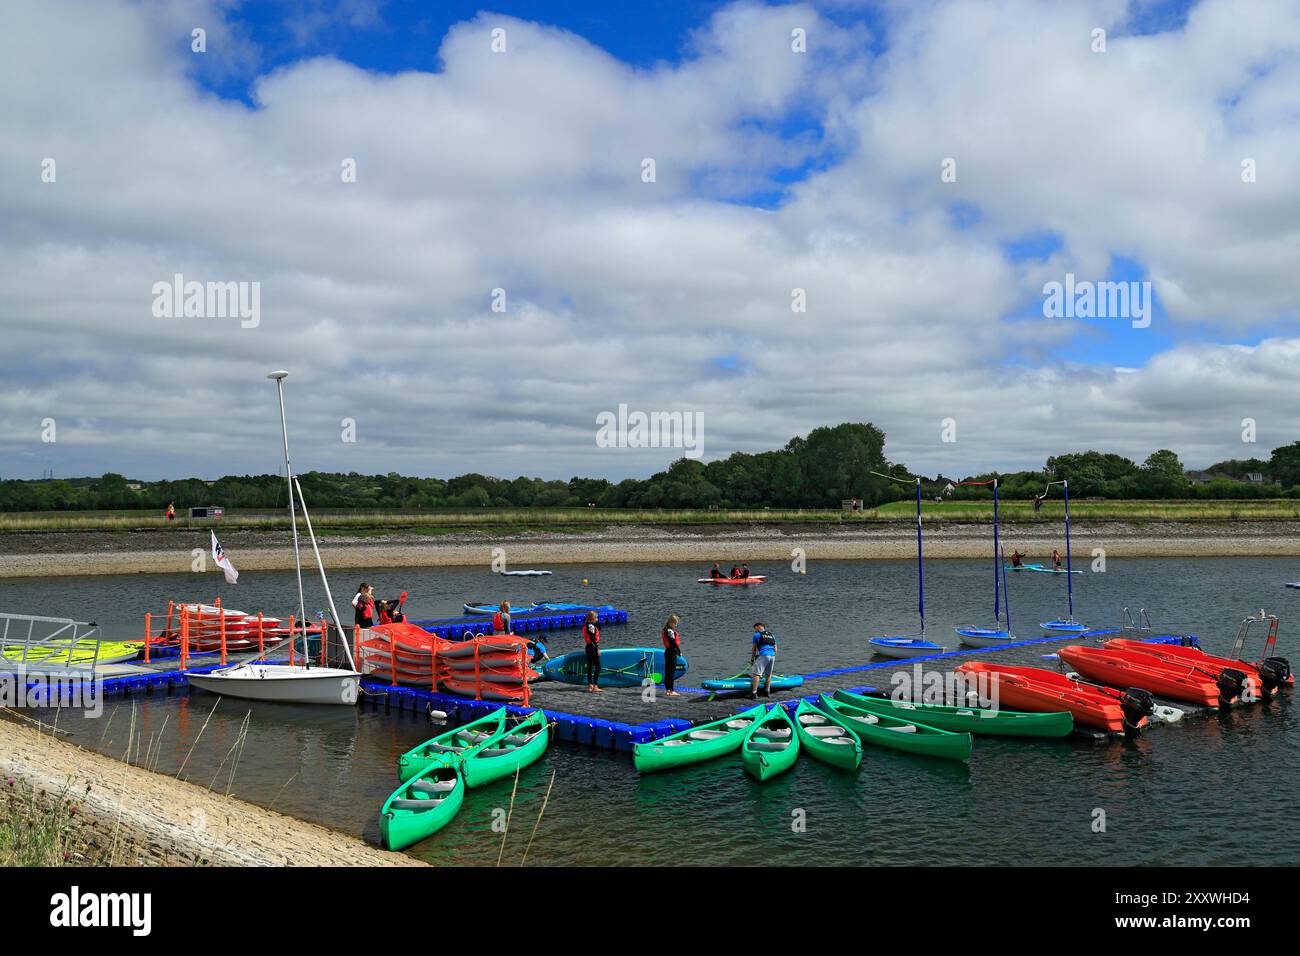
(886, 731)
(422, 806)
(502, 756)
(826, 738)
(1010, 723)
(770, 745)
(695, 743)
(454, 744)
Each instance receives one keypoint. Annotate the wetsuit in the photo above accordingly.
(672, 651)
(591, 641)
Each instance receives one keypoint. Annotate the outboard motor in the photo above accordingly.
(1232, 685)
(1274, 672)
(1138, 706)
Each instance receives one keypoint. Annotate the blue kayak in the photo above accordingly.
(779, 682)
(619, 667)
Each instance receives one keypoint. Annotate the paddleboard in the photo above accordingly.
(779, 682)
(1042, 570)
(1023, 567)
(619, 667)
(1293, 584)
(524, 574)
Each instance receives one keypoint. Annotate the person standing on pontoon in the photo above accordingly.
(364, 607)
(672, 639)
(591, 644)
(762, 656)
(501, 623)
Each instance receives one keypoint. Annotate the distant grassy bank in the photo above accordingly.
(562, 520)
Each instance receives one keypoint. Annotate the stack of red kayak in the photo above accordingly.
(1042, 691)
(487, 668)
(1174, 679)
(241, 629)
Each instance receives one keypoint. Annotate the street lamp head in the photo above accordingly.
(278, 375)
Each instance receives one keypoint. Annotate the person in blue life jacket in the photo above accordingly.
(762, 656)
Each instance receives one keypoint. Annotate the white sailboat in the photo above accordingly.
(299, 683)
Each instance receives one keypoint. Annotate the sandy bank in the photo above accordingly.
(27, 555)
(135, 817)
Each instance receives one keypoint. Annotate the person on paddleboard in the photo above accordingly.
(1018, 559)
(501, 623)
(364, 609)
(672, 639)
(762, 656)
(591, 644)
(1056, 559)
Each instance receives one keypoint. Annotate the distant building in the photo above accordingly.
(1199, 477)
(1255, 478)
(133, 485)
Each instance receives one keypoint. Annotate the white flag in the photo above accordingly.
(223, 562)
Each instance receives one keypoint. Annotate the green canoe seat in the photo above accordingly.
(706, 734)
(768, 746)
(738, 723)
(825, 733)
(903, 729)
(433, 787)
(872, 719)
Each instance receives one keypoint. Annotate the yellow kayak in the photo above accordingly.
(110, 652)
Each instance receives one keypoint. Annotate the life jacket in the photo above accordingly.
(499, 623)
(365, 610)
(671, 639)
(765, 638)
(591, 633)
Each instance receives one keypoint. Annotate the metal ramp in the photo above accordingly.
(33, 644)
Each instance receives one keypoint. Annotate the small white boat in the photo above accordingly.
(902, 647)
(282, 683)
(984, 636)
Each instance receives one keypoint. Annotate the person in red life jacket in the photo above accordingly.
(591, 643)
(1018, 559)
(171, 511)
(364, 606)
(714, 571)
(672, 639)
(735, 572)
(501, 620)
(744, 571)
(1056, 559)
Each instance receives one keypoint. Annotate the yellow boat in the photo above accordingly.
(83, 652)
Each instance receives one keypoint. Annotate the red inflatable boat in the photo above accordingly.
(1118, 668)
(1043, 691)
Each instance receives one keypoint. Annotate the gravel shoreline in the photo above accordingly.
(135, 552)
(139, 818)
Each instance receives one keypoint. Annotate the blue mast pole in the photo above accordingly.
(920, 568)
(1069, 578)
(997, 614)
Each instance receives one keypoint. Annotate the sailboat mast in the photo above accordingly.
(1069, 576)
(279, 378)
(920, 567)
(329, 595)
(997, 553)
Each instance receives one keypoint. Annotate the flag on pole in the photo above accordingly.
(223, 562)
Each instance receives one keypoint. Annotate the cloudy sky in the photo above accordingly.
(521, 169)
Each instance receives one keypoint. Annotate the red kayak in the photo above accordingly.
(1117, 668)
(1196, 657)
(752, 579)
(1043, 691)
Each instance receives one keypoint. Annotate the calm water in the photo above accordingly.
(1216, 790)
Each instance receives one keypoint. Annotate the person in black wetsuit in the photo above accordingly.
(1018, 559)
(591, 644)
(672, 651)
(714, 572)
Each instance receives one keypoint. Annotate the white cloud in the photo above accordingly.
(522, 171)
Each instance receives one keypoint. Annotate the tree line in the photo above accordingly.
(828, 466)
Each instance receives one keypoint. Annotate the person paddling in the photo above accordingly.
(501, 623)
(672, 639)
(762, 656)
(1018, 559)
(591, 643)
